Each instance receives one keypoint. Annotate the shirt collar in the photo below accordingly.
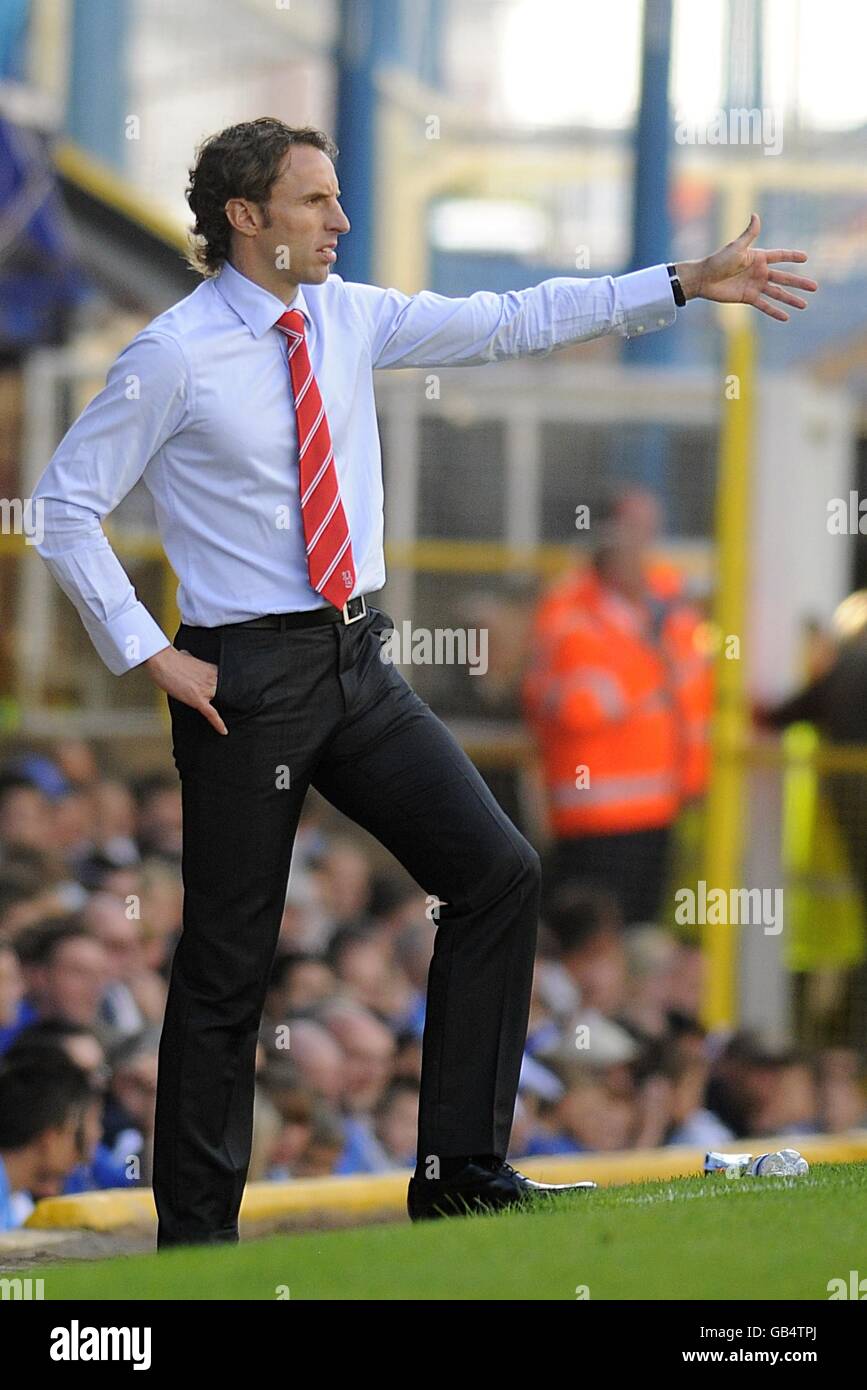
(259, 308)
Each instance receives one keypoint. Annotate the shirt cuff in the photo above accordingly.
(647, 300)
(127, 640)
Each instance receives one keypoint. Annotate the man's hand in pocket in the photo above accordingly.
(187, 679)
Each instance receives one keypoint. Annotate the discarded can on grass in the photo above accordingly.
(717, 1162)
(785, 1163)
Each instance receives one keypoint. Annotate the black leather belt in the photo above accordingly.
(352, 610)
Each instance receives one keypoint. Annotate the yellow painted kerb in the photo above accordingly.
(385, 1195)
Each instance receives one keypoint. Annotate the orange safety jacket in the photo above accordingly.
(619, 699)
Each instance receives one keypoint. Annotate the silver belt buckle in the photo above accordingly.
(362, 612)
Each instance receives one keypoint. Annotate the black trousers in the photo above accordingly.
(319, 706)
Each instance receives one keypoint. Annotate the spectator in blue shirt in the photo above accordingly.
(100, 1168)
(15, 1011)
(43, 1107)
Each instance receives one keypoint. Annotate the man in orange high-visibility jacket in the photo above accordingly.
(618, 694)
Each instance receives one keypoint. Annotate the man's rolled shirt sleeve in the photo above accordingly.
(99, 460)
(434, 330)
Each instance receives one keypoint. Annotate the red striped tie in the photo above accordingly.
(329, 549)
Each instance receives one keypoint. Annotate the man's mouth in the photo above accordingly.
(329, 251)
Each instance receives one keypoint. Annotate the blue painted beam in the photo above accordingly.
(98, 103)
(651, 218)
(14, 26)
(373, 34)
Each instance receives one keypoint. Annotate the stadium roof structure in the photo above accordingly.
(125, 247)
(71, 228)
(39, 276)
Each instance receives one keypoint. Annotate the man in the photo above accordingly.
(43, 1108)
(24, 815)
(249, 410)
(40, 1041)
(834, 700)
(618, 692)
(66, 971)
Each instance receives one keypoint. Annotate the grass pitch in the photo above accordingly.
(688, 1238)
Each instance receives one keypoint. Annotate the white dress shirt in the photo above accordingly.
(200, 405)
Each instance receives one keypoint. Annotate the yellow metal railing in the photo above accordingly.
(724, 818)
(423, 556)
(811, 848)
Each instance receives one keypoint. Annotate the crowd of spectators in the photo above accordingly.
(91, 905)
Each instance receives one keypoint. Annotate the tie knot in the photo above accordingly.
(291, 323)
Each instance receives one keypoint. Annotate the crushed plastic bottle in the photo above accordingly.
(785, 1163)
(726, 1163)
(799, 1164)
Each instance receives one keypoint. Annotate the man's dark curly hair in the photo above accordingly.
(242, 161)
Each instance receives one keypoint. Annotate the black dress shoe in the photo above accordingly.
(479, 1188)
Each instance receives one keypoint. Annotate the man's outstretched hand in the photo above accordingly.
(741, 273)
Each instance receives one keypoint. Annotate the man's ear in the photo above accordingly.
(244, 216)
